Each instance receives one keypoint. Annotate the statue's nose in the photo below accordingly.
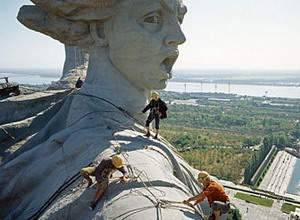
(175, 36)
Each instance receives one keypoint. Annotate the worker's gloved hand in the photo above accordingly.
(125, 180)
(187, 202)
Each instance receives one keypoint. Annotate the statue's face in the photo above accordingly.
(143, 40)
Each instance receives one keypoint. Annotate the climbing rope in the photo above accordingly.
(64, 186)
(160, 203)
(133, 172)
(64, 155)
(8, 134)
(42, 207)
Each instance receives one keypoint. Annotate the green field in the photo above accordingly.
(229, 140)
(254, 199)
(288, 208)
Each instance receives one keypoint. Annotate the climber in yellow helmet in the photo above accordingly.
(102, 173)
(215, 194)
(158, 110)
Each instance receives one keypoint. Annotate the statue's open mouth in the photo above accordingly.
(167, 65)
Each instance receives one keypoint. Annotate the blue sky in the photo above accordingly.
(231, 34)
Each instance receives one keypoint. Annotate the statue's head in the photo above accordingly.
(140, 37)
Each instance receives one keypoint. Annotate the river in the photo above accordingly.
(249, 90)
(45, 76)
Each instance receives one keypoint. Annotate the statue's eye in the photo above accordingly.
(153, 19)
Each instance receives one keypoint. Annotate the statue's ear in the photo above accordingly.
(97, 33)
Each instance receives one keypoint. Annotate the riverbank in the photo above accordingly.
(238, 89)
(280, 173)
(270, 84)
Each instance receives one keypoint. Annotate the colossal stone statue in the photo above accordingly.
(132, 46)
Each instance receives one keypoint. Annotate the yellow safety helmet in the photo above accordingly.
(202, 176)
(154, 95)
(117, 161)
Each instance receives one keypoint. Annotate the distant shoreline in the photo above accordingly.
(245, 77)
(232, 82)
(284, 84)
(236, 89)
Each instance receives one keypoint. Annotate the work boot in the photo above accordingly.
(212, 217)
(89, 184)
(92, 206)
(155, 137)
(148, 134)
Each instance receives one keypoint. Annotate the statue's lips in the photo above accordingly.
(167, 64)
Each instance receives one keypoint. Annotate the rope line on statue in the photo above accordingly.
(65, 185)
(42, 207)
(159, 203)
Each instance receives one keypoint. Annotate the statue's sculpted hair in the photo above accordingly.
(68, 21)
(74, 22)
(79, 9)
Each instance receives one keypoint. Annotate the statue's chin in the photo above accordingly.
(156, 85)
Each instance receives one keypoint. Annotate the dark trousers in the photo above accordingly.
(150, 119)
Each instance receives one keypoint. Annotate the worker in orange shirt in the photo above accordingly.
(215, 194)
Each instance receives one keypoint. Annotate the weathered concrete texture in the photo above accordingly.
(42, 169)
(75, 66)
(20, 107)
(39, 110)
(75, 58)
(69, 81)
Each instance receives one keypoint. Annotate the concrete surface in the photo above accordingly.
(279, 174)
(251, 211)
(60, 150)
(75, 66)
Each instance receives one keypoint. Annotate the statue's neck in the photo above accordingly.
(105, 81)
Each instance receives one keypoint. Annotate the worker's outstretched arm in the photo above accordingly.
(199, 198)
(198, 201)
(147, 107)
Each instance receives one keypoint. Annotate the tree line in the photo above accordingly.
(258, 156)
(226, 135)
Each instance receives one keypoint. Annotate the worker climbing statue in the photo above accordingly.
(158, 110)
(132, 47)
(102, 173)
(216, 195)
